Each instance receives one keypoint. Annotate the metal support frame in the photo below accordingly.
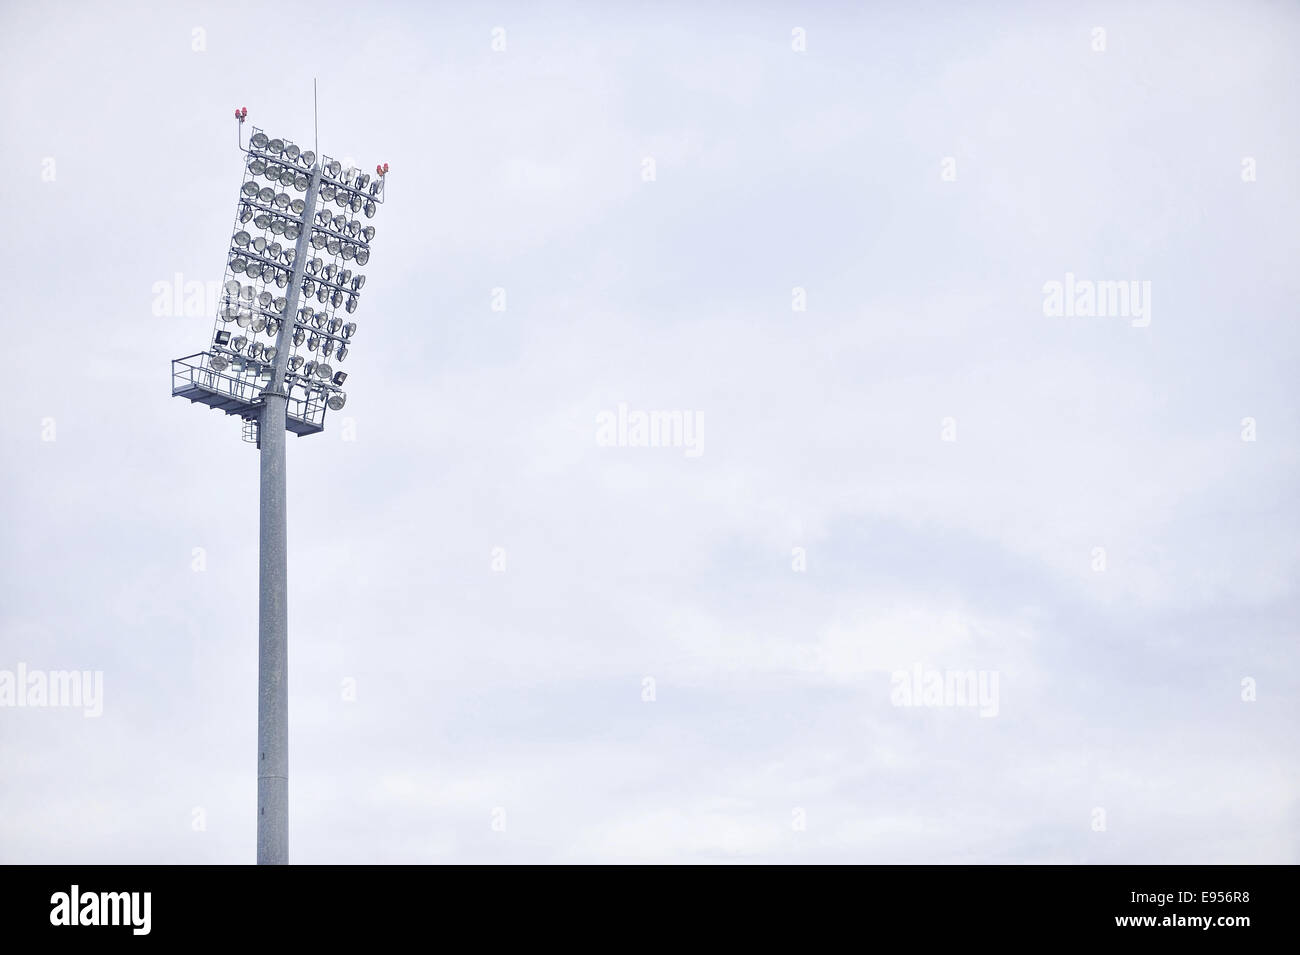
(238, 394)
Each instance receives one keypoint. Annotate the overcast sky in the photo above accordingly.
(919, 467)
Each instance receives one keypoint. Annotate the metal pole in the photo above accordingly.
(273, 596)
(272, 644)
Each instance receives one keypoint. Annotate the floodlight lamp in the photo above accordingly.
(232, 287)
(370, 208)
(272, 327)
(342, 352)
(256, 324)
(297, 207)
(229, 312)
(263, 221)
(327, 192)
(349, 329)
(292, 230)
(282, 200)
(218, 363)
(337, 298)
(314, 265)
(238, 264)
(266, 194)
(363, 180)
(363, 256)
(333, 326)
(313, 343)
(279, 304)
(332, 168)
(309, 369)
(352, 304)
(249, 189)
(300, 182)
(320, 318)
(332, 245)
(323, 371)
(288, 176)
(322, 293)
(368, 233)
(339, 377)
(268, 353)
(308, 287)
(348, 251)
(350, 174)
(358, 282)
(275, 146)
(258, 141)
(264, 299)
(298, 337)
(242, 239)
(239, 343)
(336, 401)
(223, 337)
(318, 240)
(307, 158)
(247, 292)
(292, 152)
(355, 204)
(245, 212)
(277, 226)
(281, 278)
(295, 362)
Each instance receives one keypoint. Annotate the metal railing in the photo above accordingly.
(241, 393)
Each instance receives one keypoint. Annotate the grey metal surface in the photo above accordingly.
(273, 602)
(272, 645)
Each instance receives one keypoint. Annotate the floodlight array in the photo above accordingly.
(260, 264)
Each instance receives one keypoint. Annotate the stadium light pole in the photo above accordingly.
(256, 381)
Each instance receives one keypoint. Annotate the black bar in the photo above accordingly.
(910, 905)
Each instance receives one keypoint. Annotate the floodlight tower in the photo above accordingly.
(272, 369)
